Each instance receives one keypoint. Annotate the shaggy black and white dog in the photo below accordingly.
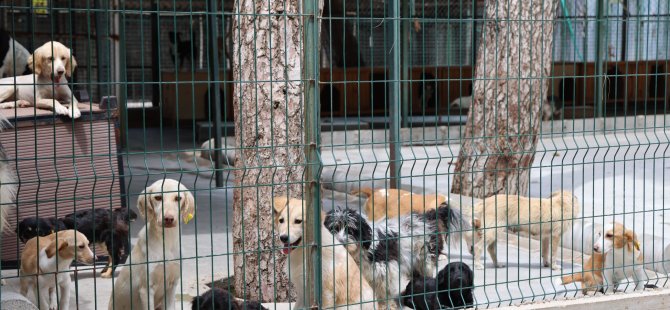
(390, 251)
(218, 299)
(452, 289)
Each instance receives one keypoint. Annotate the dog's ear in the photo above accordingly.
(631, 240)
(34, 63)
(187, 205)
(143, 200)
(55, 246)
(279, 203)
(71, 65)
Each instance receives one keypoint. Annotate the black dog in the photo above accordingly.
(106, 227)
(181, 49)
(218, 299)
(32, 227)
(451, 290)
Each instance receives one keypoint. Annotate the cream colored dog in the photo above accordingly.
(546, 217)
(45, 266)
(154, 281)
(342, 283)
(391, 203)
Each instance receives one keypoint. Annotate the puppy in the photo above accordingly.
(591, 276)
(548, 217)
(106, 228)
(45, 262)
(341, 281)
(390, 251)
(47, 88)
(391, 203)
(623, 257)
(218, 299)
(452, 289)
(155, 258)
(31, 227)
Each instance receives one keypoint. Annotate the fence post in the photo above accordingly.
(213, 62)
(601, 57)
(102, 45)
(312, 206)
(393, 32)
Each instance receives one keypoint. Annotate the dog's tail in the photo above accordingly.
(367, 191)
(575, 277)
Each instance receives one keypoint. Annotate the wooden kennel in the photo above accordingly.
(61, 165)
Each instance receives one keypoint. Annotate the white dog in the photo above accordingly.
(623, 257)
(47, 88)
(154, 260)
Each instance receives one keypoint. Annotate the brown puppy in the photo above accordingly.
(394, 202)
(592, 275)
(45, 256)
(342, 281)
(547, 217)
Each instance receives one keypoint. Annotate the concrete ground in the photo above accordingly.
(614, 173)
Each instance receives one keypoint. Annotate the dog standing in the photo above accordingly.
(391, 251)
(47, 88)
(106, 228)
(547, 217)
(31, 227)
(13, 55)
(452, 289)
(218, 299)
(623, 257)
(45, 262)
(391, 203)
(164, 203)
(341, 281)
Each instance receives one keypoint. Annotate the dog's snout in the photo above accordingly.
(168, 220)
(60, 71)
(283, 238)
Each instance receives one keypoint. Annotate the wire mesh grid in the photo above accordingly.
(294, 154)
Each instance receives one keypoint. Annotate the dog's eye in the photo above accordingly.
(50, 58)
(281, 221)
(158, 198)
(178, 198)
(298, 221)
(62, 58)
(609, 235)
(81, 246)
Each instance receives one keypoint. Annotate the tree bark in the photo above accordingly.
(513, 60)
(267, 64)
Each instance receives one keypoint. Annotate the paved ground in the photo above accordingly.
(613, 173)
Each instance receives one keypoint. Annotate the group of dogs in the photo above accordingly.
(398, 239)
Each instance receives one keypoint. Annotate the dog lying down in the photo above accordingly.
(452, 289)
(218, 299)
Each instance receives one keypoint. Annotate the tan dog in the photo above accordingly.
(623, 257)
(151, 283)
(342, 281)
(547, 217)
(45, 263)
(591, 276)
(391, 203)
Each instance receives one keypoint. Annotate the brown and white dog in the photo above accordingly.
(546, 217)
(341, 278)
(623, 257)
(391, 203)
(591, 276)
(45, 263)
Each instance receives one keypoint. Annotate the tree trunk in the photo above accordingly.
(513, 60)
(267, 64)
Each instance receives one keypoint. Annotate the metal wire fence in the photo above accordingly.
(375, 154)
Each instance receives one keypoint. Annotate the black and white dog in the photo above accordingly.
(105, 227)
(218, 299)
(31, 227)
(13, 55)
(390, 251)
(452, 289)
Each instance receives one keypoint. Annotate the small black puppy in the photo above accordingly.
(106, 227)
(218, 299)
(34, 226)
(451, 290)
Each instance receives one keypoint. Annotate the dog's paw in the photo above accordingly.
(23, 103)
(442, 257)
(106, 273)
(74, 113)
(479, 266)
(61, 110)
(500, 265)
(7, 105)
(556, 267)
